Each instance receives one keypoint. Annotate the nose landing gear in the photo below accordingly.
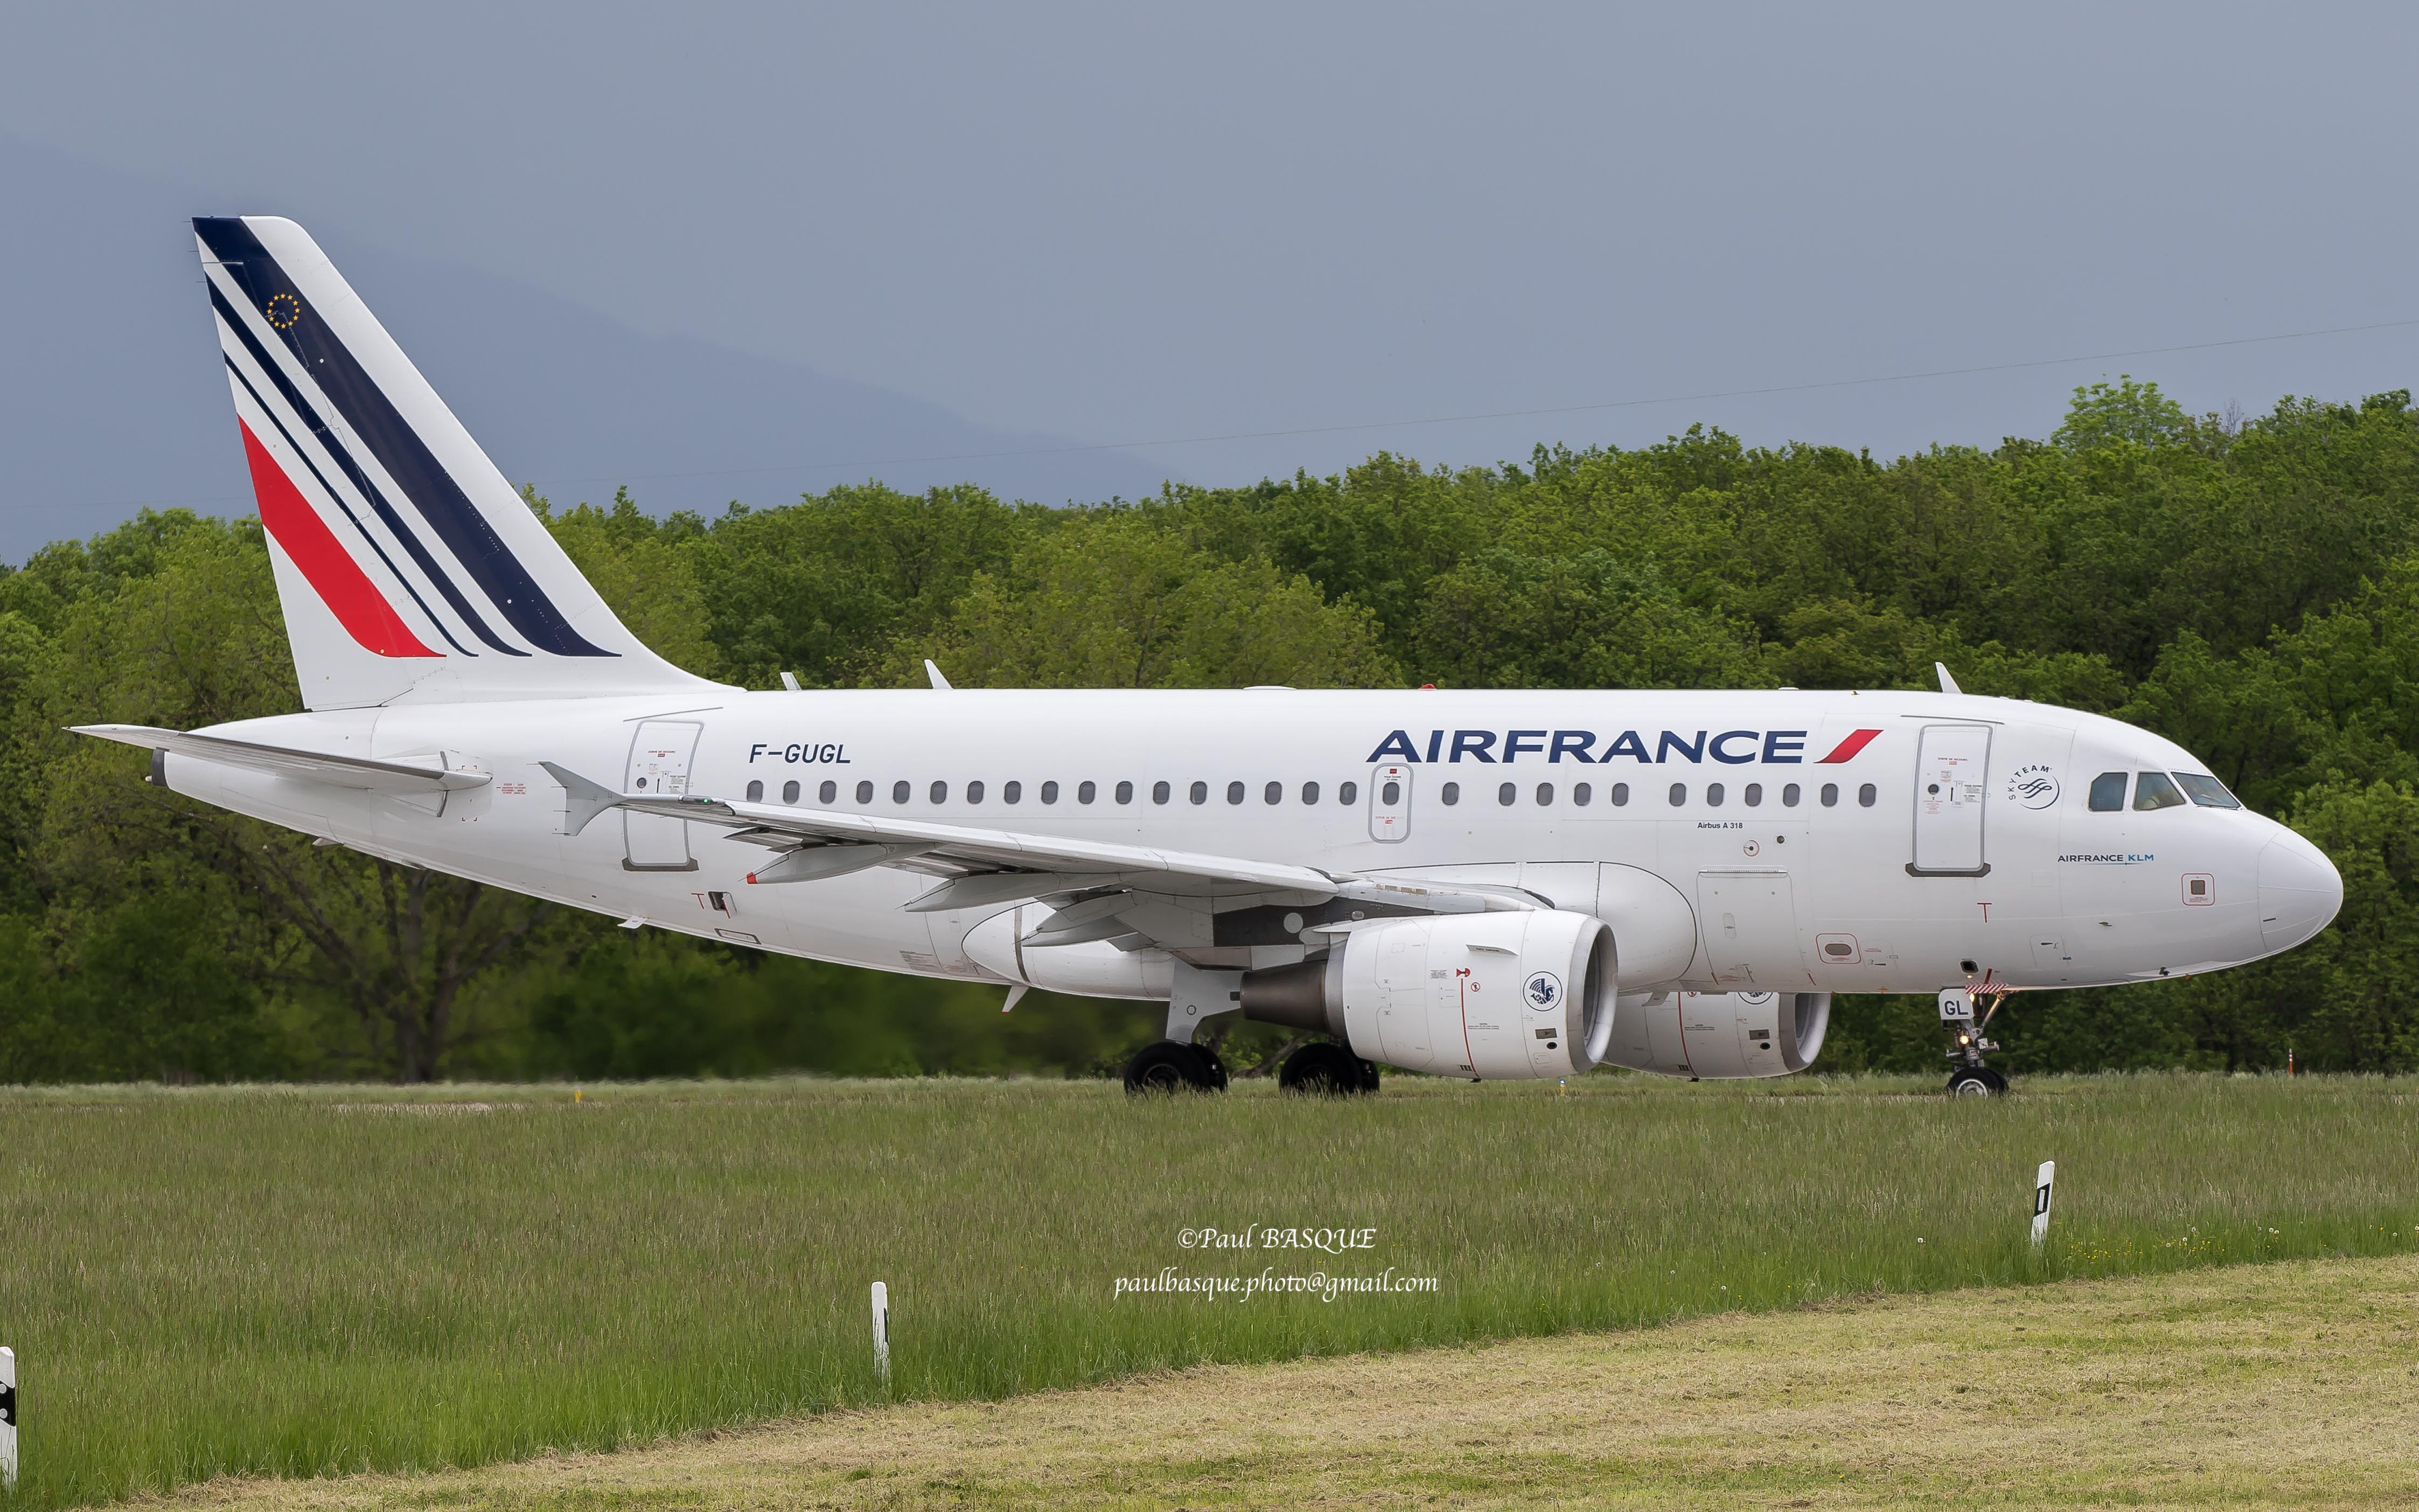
(1966, 1046)
(1976, 1081)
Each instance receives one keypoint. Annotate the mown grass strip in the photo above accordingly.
(2289, 1385)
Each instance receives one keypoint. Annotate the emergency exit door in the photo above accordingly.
(1390, 803)
(660, 754)
(1952, 767)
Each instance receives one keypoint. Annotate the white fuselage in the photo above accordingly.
(2024, 885)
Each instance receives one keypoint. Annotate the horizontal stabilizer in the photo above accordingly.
(402, 774)
(586, 799)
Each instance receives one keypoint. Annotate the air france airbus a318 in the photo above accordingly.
(1483, 885)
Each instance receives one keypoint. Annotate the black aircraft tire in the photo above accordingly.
(1324, 1071)
(1976, 1081)
(1170, 1068)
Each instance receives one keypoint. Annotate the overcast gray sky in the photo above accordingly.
(1125, 224)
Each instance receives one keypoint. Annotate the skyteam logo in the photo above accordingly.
(1730, 748)
(2034, 786)
(1544, 990)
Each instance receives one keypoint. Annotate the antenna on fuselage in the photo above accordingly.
(1948, 684)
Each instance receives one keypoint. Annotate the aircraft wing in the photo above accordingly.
(977, 867)
(407, 774)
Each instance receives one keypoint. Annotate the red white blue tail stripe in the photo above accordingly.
(389, 527)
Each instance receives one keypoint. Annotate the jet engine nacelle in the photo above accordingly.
(1483, 995)
(1711, 1036)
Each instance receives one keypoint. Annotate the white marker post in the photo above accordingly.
(881, 1330)
(7, 1418)
(2042, 1181)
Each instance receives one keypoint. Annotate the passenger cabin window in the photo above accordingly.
(1050, 792)
(1544, 793)
(1273, 794)
(1581, 794)
(1310, 793)
(2208, 790)
(1866, 795)
(1788, 796)
(1199, 793)
(1011, 793)
(1159, 790)
(898, 792)
(1234, 792)
(755, 791)
(2152, 790)
(1679, 794)
(1714, 794)
(1347, 794)
(789, 792)
(1830, 794)
(940, 793)
(1391, 794)
(2108, 793)
(865, 793)
(1754, 796)
(974, 793)
(1125, 793)
(1506, 793)
(1449, 795)
(1621, 794)
(828, 794)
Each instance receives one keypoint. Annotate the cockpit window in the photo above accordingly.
(2108, 793)
(2155, 792)
(2208, 790)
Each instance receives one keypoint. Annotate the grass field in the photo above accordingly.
(212, 1282)
(2293, 1385)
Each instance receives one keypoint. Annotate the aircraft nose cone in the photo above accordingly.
(2299, 891)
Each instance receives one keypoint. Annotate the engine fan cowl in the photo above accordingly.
(1719, 1036)
(1492, 996)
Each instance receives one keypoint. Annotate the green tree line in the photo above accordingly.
(2248, 587)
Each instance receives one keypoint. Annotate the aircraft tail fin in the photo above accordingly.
(408, 569)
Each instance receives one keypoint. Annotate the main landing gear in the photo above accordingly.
(1327, 1070)
(1320, 1070)
(1169, 1067)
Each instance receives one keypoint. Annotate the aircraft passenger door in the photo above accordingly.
(1751, 926)
(1389, 802)
(660, 754)
(1949, 773)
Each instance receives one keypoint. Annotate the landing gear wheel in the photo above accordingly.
(1169, 1067)
(1327, 1071)
(1216, 1067)
(1977, 1081)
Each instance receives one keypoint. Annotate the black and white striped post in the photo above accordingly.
(7, 1418)
(2042, 1181)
